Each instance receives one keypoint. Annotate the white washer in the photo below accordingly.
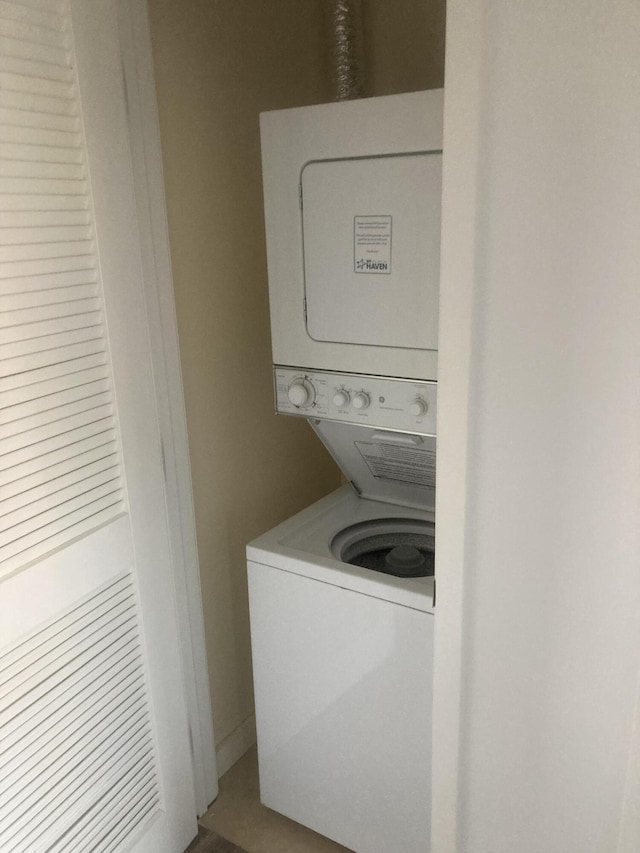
(342, 659)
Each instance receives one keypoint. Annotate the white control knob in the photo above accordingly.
(419, 407)
(301, 393)
(361, 401)
(341, 398)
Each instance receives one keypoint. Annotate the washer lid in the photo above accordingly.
(396, 467)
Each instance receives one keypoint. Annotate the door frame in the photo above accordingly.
(458, 260)
(146, 162)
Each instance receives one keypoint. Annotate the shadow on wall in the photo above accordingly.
(403, 45)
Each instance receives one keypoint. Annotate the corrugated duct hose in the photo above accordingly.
(344, 19)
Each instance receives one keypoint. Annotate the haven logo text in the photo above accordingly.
(366, 264)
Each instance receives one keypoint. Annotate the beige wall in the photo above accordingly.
(403, 45)
(218, 64)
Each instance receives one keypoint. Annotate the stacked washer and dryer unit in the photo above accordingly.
(342, 595)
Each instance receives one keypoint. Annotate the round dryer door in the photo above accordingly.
(395, 546)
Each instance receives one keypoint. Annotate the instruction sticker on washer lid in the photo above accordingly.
(401, 464)
(372, 245)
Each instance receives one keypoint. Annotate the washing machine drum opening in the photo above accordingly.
(401, 547)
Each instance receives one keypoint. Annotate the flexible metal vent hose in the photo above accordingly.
(345, 34)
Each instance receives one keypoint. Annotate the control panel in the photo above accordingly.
(406, 405)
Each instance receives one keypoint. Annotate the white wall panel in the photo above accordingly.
(550, 608)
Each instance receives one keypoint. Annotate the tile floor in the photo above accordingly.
(210, 842)
(238, 815)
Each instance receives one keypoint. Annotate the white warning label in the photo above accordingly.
(401, 464)
(372, 245)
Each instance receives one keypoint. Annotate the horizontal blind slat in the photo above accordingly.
(132, 817)
(32, 344)
(65, 676)
(32, 233)
(51, 768)
(29, 514)
(58, 7)
(60, 534)
(63, 427)
(25, 332)
(69, 742)
(28, 650)
(46, 480)
(33, 454)
(33, 68)
(36, 103)
(28, 31)
(23, 152)
(36, 52)
(55, 676)
(22, 383)
(94, 689)
(104, 677)
(21, 82)
(48, 312)
(76, 745)
(99, 820)
(68, 656)
(99, 675)
(38, 16)
(86, 768)
(106, 467)
(59, 808)
(42, 218)
(48, 407)
(18, 475)
(41, 169)
(34, 392)
(79, 254)
(64, 353)
(44, 410)
(17, 277)
(50, 131)
(42, 186)
(16, 538)
(11, 202)
(29, 430)
(110, 752)
(51, 280)
(31, 545)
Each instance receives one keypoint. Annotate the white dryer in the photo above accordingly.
(352, 195)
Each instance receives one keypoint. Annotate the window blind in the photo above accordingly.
(60, 470)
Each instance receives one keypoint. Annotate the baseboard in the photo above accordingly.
(234, 746)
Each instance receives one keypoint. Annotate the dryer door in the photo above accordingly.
(371, 230)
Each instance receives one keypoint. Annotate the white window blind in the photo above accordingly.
(59, 461)
(78, 757)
